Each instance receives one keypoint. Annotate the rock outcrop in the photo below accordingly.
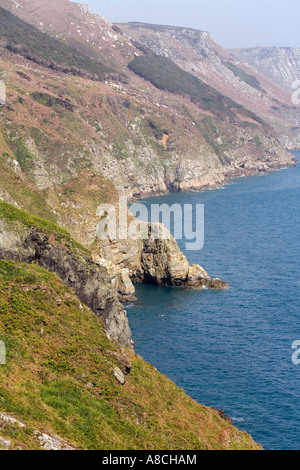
(156, 260)
(145, 139)
(120, 278)
(90, 281)
(163, 263)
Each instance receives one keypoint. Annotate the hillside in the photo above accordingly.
(59, 379)
(164, 74)
(279, 64)
(255, 78)
(22, 38)
(128, 128)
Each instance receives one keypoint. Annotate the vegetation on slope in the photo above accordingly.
(13, 215)
(166, 75)
(246, 77)
(24, 39)
(21, 192)
(58, 378)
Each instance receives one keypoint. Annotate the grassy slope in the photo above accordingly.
(26, 196)
(166, 75)
(15, 215)
(41, 48)
(59, 378)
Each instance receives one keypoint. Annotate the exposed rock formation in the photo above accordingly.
(163, 263)
(155, 260)
(119, 376)
(91, 282)
(44, 440)
(120, 278)
(279, 64)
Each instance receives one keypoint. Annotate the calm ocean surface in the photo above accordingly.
(233, 349)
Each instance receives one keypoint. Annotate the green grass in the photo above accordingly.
(24, 39)
(14, 215)
(58, 378)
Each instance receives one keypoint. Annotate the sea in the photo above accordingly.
(235, 349)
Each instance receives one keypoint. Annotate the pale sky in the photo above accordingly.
(232, 23)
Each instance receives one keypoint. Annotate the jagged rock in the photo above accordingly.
(120, 278)
(155, 260)
(163, 263)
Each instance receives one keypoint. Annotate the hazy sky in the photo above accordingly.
(233, 23)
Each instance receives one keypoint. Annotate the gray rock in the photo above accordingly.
(119, 376)
(89, 281)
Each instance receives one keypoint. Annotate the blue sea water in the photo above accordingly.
(233, 349)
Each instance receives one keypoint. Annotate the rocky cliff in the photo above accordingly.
(147, 138)
(30, 240)
(100, 283)
(279, 64)
(76, 137)
(73, 138)
(83, 122)
(259, 79)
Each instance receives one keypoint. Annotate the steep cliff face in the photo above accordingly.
(98, 282)
(162, 263)
(28, 240)
(279, 64)
(259, 79)
(147, 140)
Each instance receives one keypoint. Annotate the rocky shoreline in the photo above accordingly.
(216, 179)
(101, 284)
